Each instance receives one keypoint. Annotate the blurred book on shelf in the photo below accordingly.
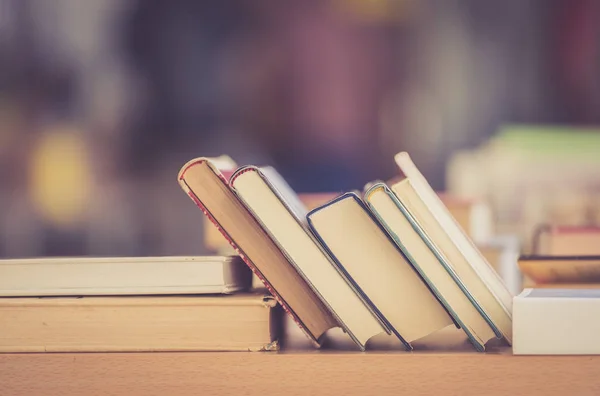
(532, 175)
(554, 271)
(564, 256)
(555, 240)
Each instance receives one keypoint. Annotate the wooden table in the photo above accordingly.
(442, 364)
(298, 373)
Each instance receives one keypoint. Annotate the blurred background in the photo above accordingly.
(102, 101)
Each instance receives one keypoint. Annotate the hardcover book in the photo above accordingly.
(429, 261)
(241, 322)
(488, 290)
(209, 189)
(370, 258)
(281, 213)
(86, 276)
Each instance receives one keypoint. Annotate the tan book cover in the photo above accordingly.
(243, 322)
(86, 276)
(363, 249)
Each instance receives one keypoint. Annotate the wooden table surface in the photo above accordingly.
(298, 373)
(444, 364)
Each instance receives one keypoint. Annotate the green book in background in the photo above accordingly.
(560, 142)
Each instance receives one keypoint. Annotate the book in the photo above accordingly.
(365, 252)
(241, 322)
(557, 322)
(208, 188)
(555, 240)
(79, 276)
(489, 292)
(429, 261)
(560, 269)
(281, 213)
(511, 171)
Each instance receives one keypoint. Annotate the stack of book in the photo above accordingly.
(556, 313)
(564, 257)
(133, 304)
(517, 170)
(389, 260)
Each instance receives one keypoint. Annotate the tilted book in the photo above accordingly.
(468, 263)
(362, 249)
(429, 261)
(282, 214)
(209, 189)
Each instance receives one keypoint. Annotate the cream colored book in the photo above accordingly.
(429, 262)
(369, 257)
(557, 322)
(467, 262)
(79, 276)
(242, 322)
(281, 213)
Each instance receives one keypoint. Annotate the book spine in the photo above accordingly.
(247, 260)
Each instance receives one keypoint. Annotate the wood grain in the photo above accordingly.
(324, 373)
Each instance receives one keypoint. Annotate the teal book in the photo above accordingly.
(431, 264)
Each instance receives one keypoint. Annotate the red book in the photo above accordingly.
(207, 187)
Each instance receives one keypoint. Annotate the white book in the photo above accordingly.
(85, 276)
(468, 264)
(281, 213)
(556, 322)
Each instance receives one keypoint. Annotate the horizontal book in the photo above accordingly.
(242, 322)
(370, 258)
(206, 185)
(557, 322)
(553, 240)
(561, 269)
(433, 266)
(84, 276)
(489, 292)
(281, 213)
